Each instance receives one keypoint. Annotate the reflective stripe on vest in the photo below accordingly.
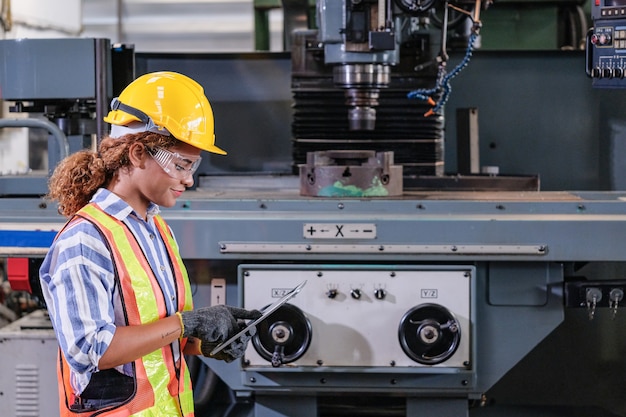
(162, 390)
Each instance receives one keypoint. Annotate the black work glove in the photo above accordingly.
(215, 324)
(233, 351)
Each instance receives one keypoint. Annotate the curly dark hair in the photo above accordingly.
(77, 178)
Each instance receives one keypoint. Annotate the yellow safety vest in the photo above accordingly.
(163, 387)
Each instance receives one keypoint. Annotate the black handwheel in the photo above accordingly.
(429, 334)
(284, 336)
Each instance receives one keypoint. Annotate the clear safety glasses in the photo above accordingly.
(174, 164)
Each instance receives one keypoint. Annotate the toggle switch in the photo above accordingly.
(615, 297)
(593, 296)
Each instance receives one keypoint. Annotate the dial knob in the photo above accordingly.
(380, 293)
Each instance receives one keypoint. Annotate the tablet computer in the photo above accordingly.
(266, 312)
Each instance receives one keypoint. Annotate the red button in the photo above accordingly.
(17, 272)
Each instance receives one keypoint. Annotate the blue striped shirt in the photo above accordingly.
(78, 285)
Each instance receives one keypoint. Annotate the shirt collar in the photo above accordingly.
(113, 205)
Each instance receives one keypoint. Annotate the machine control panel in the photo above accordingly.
(606, 44)
(355, 316)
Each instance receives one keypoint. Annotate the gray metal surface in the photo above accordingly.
(569, 226)
(29, 349)
(46, 69)
(512, 288)
(540, 115)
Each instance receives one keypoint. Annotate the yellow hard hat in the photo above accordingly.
(167, 103)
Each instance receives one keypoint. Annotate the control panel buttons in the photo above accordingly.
(596, 72)
(604, 39)
(607, 72)
(601, 39)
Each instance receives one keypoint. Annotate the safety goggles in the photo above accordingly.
(174, 164)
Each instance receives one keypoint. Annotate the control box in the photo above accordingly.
(355, 316)
(606, 44)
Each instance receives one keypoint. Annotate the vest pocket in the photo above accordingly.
(106, 388)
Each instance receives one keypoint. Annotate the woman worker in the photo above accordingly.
(114, 283)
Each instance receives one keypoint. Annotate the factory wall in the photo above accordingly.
(175, 26)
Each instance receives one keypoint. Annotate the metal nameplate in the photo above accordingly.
(339, 231)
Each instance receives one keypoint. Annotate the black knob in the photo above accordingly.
(356, 293)
(380, 293)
